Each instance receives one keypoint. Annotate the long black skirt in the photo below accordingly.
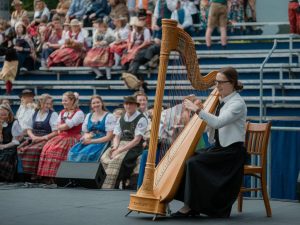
(213, 179)
(8, 163)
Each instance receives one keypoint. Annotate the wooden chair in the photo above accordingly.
(257, 138)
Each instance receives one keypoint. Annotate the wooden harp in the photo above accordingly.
(161, 183)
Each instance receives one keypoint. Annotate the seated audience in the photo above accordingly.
(121, 36)
(76, 10)
(10, 136)
(96, 9)
(61, 9)
(26, 109)
(40, 11)
(139, 38)
(24, 47)
(41, 128)
(120, 160)
(56, 149)
(100, 55)
(97, 131)
(118, 9)
(18, 13)
(72, 51)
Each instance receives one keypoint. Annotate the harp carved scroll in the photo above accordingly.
(161, 182)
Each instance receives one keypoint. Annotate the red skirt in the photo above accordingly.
(128, 57)
(118, 47)
(30, 153)
(54, 152)
(66, 56)
(98, 57)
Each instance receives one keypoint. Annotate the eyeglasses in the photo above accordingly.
(221, 81)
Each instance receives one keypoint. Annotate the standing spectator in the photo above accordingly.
(236, 13)
(41, 128)
(77, 10)
(10, 67)
(100, 55)
(163, 10)
(183, 17)
(10, 136)
(204, 11)
(19, 12)
(217, 18)
(252, 6)
(120, 160)
(294, 23)
(97, 130)
(56, 149)
(72, 51)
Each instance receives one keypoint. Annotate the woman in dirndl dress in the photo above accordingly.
(100, 55)
(41, 128)
(98, 129)
(121, 35)
(10, 135)
(72, 51)
(69, 126)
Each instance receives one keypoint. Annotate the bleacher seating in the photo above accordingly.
(246, 53)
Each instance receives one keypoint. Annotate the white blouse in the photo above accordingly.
(77, 119)
(141, 126)
(110, 122)
(24, 115)
(40, 117)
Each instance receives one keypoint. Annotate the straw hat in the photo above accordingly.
(26, 92)
(16, 2)
(75, 22)
(134, 21)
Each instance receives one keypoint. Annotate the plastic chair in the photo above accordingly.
(257, 138)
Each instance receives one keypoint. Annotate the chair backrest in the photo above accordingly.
(257, 139)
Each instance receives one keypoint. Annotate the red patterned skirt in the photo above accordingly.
(118, 47)
(66, 56)
(98, 57)
(54, 152)
(30, 153)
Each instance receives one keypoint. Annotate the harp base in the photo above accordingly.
(147, 204)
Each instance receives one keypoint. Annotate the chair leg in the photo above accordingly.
(240, 202)
(265, 196)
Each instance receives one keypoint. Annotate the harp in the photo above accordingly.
(161, 183)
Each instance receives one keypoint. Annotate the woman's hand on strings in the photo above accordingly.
(191, 106)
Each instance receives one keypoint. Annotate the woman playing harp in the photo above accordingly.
(213, 178)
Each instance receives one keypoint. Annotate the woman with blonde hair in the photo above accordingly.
(97, 131)
(68, 126)
(10, 136)
(41, 128)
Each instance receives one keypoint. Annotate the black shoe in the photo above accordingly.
(184, 215)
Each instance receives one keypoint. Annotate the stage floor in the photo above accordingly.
(31, 205)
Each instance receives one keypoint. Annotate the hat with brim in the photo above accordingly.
(98, 20)
(26, 92)
(131, 99)
(136, 22)
(75, 22)
(16, 2)
(119, 17)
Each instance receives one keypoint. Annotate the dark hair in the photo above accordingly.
(232, 75)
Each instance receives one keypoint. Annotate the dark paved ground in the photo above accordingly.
(23, 205)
